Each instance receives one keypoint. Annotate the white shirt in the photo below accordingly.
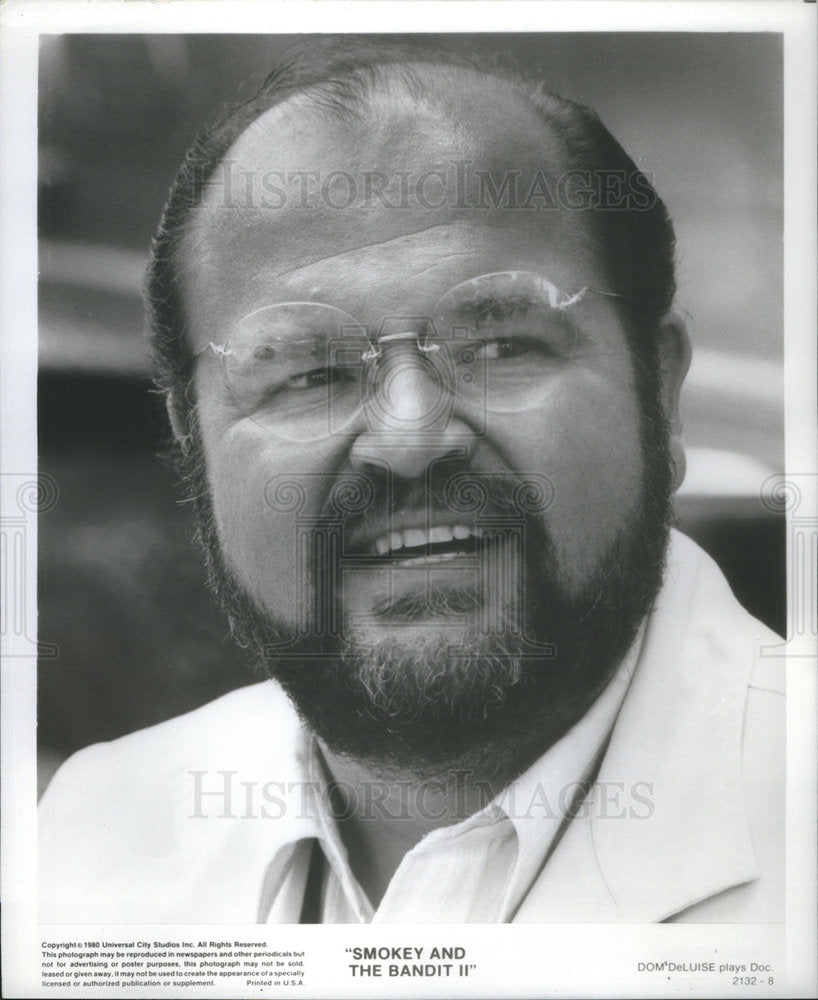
(475, 871)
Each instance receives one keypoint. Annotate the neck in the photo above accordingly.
(385, 813)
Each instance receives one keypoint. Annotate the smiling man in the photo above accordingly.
(413, 322)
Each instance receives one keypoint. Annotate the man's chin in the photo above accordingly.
(436, 680)
(407, 697)
(418, 671)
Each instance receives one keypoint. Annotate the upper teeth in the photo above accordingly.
(411, 538)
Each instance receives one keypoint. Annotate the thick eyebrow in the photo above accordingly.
(276, 349)
(279, 347)
(496, 307)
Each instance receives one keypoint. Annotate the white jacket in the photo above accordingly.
(702, 724)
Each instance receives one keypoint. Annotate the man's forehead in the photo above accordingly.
(460, 114)
(386, 192)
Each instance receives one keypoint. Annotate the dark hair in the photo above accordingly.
(635, 244)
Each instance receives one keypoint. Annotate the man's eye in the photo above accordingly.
(317, 378)
(314, 379)
(504, 348)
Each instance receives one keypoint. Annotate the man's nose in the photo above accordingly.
(412, 416)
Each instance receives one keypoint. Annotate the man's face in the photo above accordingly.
(405, 583)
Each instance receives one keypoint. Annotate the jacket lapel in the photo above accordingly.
(235, 853)
(665, 825)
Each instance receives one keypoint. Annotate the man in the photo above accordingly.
(413, 321)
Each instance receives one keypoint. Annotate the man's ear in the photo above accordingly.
(176, 422)
(674, 361)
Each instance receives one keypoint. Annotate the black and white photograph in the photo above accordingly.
(411, 536)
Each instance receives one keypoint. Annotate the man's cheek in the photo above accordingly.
(263, 548)
(592, 457)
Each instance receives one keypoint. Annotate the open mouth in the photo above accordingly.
(419, 546)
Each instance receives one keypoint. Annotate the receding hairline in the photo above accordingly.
(456, 107)
(340, 76)
(431, 80)
(447, 93)
(457, 104)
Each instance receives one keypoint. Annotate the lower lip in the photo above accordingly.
(440, 564)
(428, 560)
(373, 578)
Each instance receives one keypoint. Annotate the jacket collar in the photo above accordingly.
(675, 754)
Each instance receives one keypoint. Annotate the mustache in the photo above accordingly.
(449, 491)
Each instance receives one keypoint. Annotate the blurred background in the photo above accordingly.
(121, 589)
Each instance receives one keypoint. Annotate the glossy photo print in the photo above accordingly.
(415, 535)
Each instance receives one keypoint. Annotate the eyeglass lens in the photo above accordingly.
(307, 370)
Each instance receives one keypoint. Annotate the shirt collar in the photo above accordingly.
(330, 837)
(537, 803)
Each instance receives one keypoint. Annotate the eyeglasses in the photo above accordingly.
(307, 370)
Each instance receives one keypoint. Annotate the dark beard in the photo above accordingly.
(491, 702)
